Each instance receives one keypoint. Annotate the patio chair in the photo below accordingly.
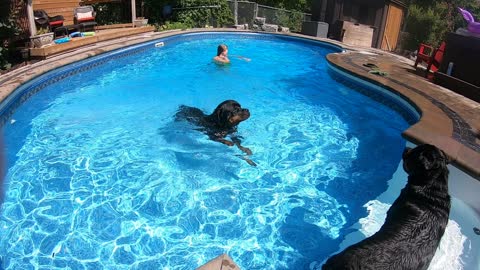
(432, 57)
(84, 16)
(44, 21)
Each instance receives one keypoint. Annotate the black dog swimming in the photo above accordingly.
(221, 123)
(415, 222)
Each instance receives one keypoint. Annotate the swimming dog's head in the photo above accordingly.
(230, 113)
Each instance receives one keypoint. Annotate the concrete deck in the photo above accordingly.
(449, 121)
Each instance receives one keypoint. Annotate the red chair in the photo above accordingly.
(433, 57)
(44, 21)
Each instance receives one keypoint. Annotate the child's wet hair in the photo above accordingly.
(221, 48)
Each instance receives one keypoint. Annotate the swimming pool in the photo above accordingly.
(101, 177)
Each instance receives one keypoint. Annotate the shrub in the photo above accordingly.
(42, 31)
(111, 13)
(422, 25)
(190, 13)
(171, 26)
(8, 30)
(430, 21)
(292, 20)
(199, 17)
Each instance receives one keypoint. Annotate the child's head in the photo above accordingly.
(221, 48)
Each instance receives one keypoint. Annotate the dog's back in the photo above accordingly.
(414, 225)
(191, 114)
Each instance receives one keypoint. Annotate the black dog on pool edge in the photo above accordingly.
(222, 122)
(415, 222)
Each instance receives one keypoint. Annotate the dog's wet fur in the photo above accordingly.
(415, 222)
(221, 123)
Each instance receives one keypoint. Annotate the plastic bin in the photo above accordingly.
(316, 29)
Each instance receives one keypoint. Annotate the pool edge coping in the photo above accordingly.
(435, 126)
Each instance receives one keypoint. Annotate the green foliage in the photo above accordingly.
(430, 21)
(111, 13)
(154, 9)
(8, 30)
(192, 13)
(298, 5)
(171, 26)
(4, 63)
(422, 26)
(200, 17)
(42, 31)
(292, 20)
(188, 13)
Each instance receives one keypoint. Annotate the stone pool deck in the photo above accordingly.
(449, 120)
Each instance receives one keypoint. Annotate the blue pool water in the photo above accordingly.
(101, 177)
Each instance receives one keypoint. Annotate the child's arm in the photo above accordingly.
(242, 58)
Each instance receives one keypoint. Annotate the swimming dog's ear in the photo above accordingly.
(445, 157)
(406, 151)
(222, 114)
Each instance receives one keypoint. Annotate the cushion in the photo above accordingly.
(84, 15)
(56, 23)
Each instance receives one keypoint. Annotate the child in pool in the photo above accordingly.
(222, 55)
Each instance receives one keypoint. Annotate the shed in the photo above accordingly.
(377, 20)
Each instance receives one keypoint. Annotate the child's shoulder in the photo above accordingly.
(221, 60)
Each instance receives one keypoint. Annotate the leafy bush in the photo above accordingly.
(430, 21)
(171, 26)
(8, 30)
(423, 26)
(42, 31)
(111, 13)
(192, 13)
(299, 5)
(292, 20)
(199, 17)
(4, 55)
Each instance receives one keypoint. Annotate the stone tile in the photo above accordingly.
(449, 121)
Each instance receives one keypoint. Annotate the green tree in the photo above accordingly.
(422, 27)
(192, 13)
(111, 13)
(9, 30)
(298, 5)
(430, 21)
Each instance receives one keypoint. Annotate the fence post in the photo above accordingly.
(31, 20)
(255, 10)
(235, 12)
(134, 11)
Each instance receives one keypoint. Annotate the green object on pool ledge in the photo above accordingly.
(378, 72)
